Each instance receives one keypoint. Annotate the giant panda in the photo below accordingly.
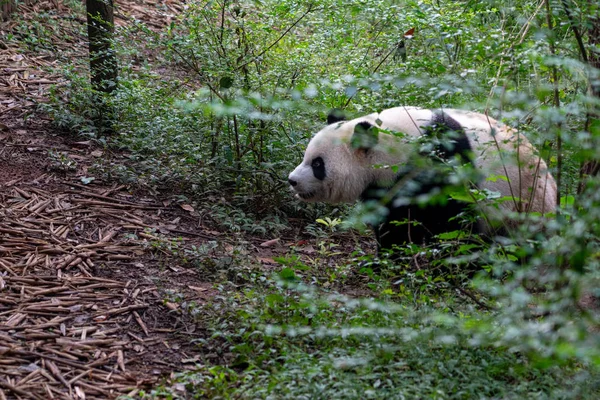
(404, 156)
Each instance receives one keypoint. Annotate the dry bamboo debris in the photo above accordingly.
(47, 240)
(110, 201)
(77, 359)
(73, 322)
(151, 12)
(24, 77)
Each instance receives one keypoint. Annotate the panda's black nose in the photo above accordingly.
(292, 182)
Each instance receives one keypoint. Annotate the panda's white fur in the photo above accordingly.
(498, 151)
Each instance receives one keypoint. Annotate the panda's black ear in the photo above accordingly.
(365, 136)
(335, 115)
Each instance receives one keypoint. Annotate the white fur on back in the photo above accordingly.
(501, 151)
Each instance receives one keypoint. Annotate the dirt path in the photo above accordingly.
(82, 288)
(83, 279)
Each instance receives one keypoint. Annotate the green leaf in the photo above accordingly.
(287, 274)
(449, 235)
(462, 196)
(274, 298)
(494, 178)
(567, 201)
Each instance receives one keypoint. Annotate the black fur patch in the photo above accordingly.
(335, 115)
(450, 136)
(445, 138)
(365, 136)
(415, 223)
(318, 167)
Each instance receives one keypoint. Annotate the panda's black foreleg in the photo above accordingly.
(398, 230)
(419, 225)
(414, 224)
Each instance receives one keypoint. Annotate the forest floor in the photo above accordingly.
(87, 268)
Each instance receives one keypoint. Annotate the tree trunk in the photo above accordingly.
(103, 63)
(592, 167)
(594, 42)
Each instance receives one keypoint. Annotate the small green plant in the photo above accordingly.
(162, 243)
(60, 161)
(238, 221)
(330, 223)
(327, 226)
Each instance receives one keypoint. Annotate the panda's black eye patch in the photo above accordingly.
(318, 167)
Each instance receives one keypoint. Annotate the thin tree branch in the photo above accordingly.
(309, 10)
(375, 70)
(556, 103)
(576, 32)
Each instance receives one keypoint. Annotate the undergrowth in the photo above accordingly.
(287, 340)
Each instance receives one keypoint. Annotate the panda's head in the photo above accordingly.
(343, 159)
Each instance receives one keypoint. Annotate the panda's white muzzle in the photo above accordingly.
(303, 183)
(301, 195)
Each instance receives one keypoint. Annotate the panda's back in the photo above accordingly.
(505, 158)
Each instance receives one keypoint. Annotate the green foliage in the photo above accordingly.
(292, 342)
(71, 106)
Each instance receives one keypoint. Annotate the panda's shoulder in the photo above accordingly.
(472, 120)
(479, 127)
